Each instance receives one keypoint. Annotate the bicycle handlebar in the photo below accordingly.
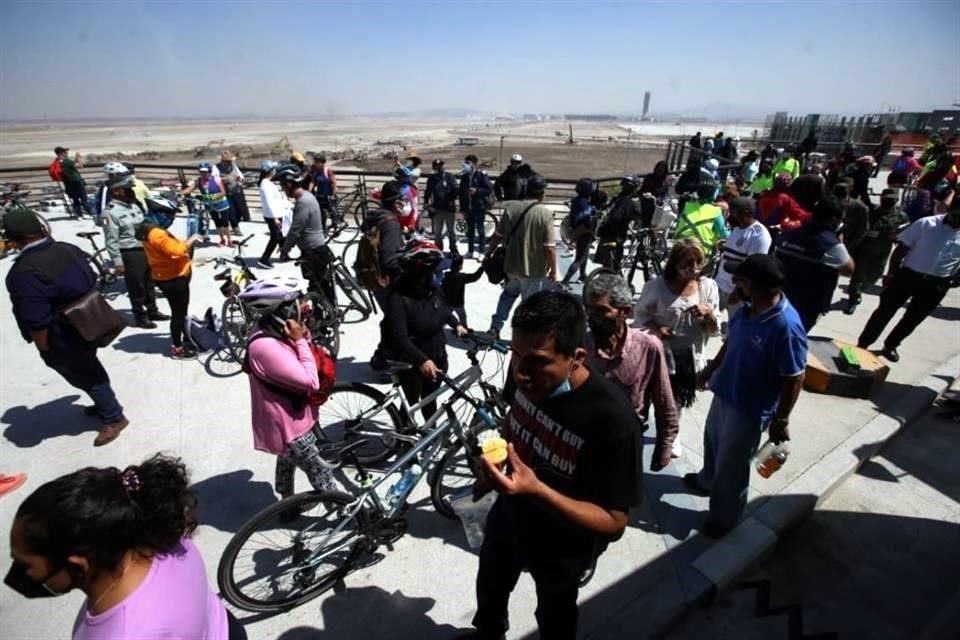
(245, 240)
(485, 341)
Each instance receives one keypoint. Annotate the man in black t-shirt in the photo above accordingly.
(569, 479)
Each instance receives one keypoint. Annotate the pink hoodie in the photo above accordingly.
(275, 419)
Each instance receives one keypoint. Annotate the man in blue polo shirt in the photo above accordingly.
(756, 379)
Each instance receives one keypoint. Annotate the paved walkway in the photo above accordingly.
(424, 586)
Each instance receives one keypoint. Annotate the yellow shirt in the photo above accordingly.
(141, 192)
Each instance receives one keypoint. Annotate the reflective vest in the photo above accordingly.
(698, 220)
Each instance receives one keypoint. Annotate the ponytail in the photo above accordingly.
(101, 514)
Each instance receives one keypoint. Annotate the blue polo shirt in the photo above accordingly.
(761, 351)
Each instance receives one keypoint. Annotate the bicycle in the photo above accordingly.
(327, 534)
(108, 283)
(490, 222)
(357, 298)
(317, 314)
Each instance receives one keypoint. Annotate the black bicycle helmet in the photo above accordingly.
(706, 189)
(288, 174)
(161, 205)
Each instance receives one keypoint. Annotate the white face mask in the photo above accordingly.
(407, 208)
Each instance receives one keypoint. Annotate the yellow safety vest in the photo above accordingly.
(697, 221)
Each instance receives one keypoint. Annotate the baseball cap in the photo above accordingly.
(297, 156)
(763, 270)
(21, 222)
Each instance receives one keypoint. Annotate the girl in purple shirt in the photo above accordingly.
(123, 538)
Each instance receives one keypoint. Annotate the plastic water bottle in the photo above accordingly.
(771, 457)
(403, 485)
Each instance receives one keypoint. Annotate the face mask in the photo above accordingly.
(604, 327)
(18, 580)
(562, 388)
(467, 167)
(407, 208)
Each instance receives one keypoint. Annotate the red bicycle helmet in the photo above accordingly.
(421, 254)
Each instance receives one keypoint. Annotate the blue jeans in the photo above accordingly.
(79, 366)
(474, 220)
(516, 287)
(730, 440)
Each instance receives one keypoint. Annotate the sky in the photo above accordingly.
(137, 59)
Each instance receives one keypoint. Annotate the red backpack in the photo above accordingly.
(326, 368)
(55, 170)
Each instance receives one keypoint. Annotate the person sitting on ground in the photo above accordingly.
(215, 198)
(274, 206)
(171, 267)
(813, 257)
(903, 169)
(45, 276)
(282, 371)
(454, 287)
(778, 210)
(414, 315)
(809, 188)
(756, 379)
(124, 539)
(121, 218)
(571, 476)
(581, 222)
(680, 308)
(703, 220)
(748, 237)
(870, 241)
(633, 360)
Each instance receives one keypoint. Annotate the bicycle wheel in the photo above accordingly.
(291, 552)
(357, 299)
(454, 473)
(107, 282)
(355, 410)
(234, 329)
(349, 250)
(322, 323)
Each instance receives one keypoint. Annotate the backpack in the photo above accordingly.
(326, 368)
(205, 335)
(55, 170)
(368, 265)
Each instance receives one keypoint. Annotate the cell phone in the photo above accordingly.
(278, 324)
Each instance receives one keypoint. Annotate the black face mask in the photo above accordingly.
(18, 580)
(603, 327)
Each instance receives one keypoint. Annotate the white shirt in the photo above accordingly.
(741, 243)
(272, 202)
(934, 247)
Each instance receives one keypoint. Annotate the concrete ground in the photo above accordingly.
(876, 560)
(424, 586)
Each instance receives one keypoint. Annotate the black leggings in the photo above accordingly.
(139, 283)
(580, 261)
(276, 237)
(177, 292)
(415, 387)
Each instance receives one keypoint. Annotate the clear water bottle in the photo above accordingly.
(771, 457)
(402, 485)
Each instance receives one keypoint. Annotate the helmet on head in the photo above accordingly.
(122, 181)
(162, 205)
(288, 174)
(706, 190)
(713, 164)
(296, 156)
(422, 254)
(266, 296)
(585, 187)
(115, 169)
(629, 183)
(268, 165)
(204, 166)
(516, 158)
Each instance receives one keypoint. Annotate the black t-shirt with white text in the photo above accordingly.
(583, 445)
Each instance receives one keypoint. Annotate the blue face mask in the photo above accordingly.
(467, 167)
(562, 388)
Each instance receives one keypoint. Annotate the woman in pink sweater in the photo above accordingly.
(282, 372)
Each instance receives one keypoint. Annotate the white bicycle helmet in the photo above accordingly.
(516, 158)
(265, 296)
(115, 169)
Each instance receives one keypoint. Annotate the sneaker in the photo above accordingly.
(9, 483)
(693, 484)
(158, 315)
(143, 322)
(891, 354)
(110, 432)
(182, 353)
(677, 449)
(264, 264)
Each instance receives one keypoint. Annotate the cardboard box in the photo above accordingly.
(828, 373)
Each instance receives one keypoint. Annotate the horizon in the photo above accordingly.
(762, 58)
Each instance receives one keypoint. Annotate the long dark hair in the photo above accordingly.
(101, 514)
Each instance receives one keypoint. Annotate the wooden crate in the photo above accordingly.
(826, 372)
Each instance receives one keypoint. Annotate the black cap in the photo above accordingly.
(59, 150)
(762, 270)
(20, 223)
(389, 192)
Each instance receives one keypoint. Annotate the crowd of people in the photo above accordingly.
(759, 243)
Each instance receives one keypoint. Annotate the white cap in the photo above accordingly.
(516, 158)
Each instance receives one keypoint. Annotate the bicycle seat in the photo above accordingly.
(394, 366)
(88, 234)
